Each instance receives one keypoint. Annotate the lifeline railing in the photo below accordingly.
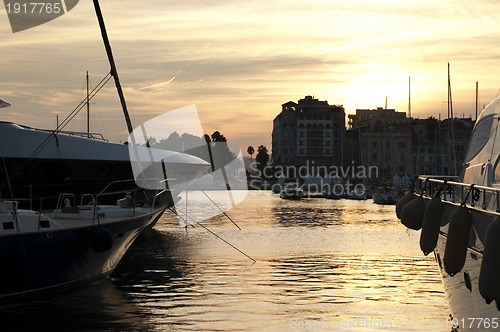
(94, 199)
(477, 197)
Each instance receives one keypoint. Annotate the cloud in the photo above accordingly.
(239, 61)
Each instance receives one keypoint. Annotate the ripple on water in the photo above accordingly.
(316, 259)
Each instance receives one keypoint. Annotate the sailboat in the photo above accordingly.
(81, 239)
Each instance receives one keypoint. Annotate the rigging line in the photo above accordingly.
(211, 232)
(79, 107)
(220, 209)
(235, 224)
(174, 211)
(226, 242)
(50, 137)
(77, 110)
(220, 238)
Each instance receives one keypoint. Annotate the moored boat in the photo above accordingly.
(74, 244)
(459, 221)
(291, 190)
(41, 252)
(385, 196)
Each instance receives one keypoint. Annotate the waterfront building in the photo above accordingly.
(312, 133)
(434, 142)
(309, 132)
(384, 139)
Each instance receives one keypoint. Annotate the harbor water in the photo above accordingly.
(320, 265)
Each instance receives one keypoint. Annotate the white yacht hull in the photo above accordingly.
(41, 163)
(469, 311)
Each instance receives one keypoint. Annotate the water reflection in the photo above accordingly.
(326, 213)
(315, 259)
(199, 290)
(98, 306)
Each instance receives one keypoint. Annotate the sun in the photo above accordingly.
(371, 90)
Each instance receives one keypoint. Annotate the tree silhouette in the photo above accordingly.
(250, 151)
(262, 158)
(218, 137)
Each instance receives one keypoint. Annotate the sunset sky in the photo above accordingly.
(238, 61)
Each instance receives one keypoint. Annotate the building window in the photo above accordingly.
(387, 145)
(402, 145)
(402, 157)
(374, 156)
(387, 157)
(402, 169)
(374, 144)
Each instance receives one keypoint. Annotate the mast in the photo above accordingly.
(88, 107)
(113, 71)
(477, 86)
(413, 163)
(450, 113)
(409, 97)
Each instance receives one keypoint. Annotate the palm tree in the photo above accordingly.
(262, 158)
(250, 151)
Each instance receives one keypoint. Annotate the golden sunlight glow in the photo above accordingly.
(238, 62)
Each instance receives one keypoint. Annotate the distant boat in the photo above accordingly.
(70, 246)
(291, 190)
(385, 196)
(329, 192)
(358, 192)
(357, 196)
